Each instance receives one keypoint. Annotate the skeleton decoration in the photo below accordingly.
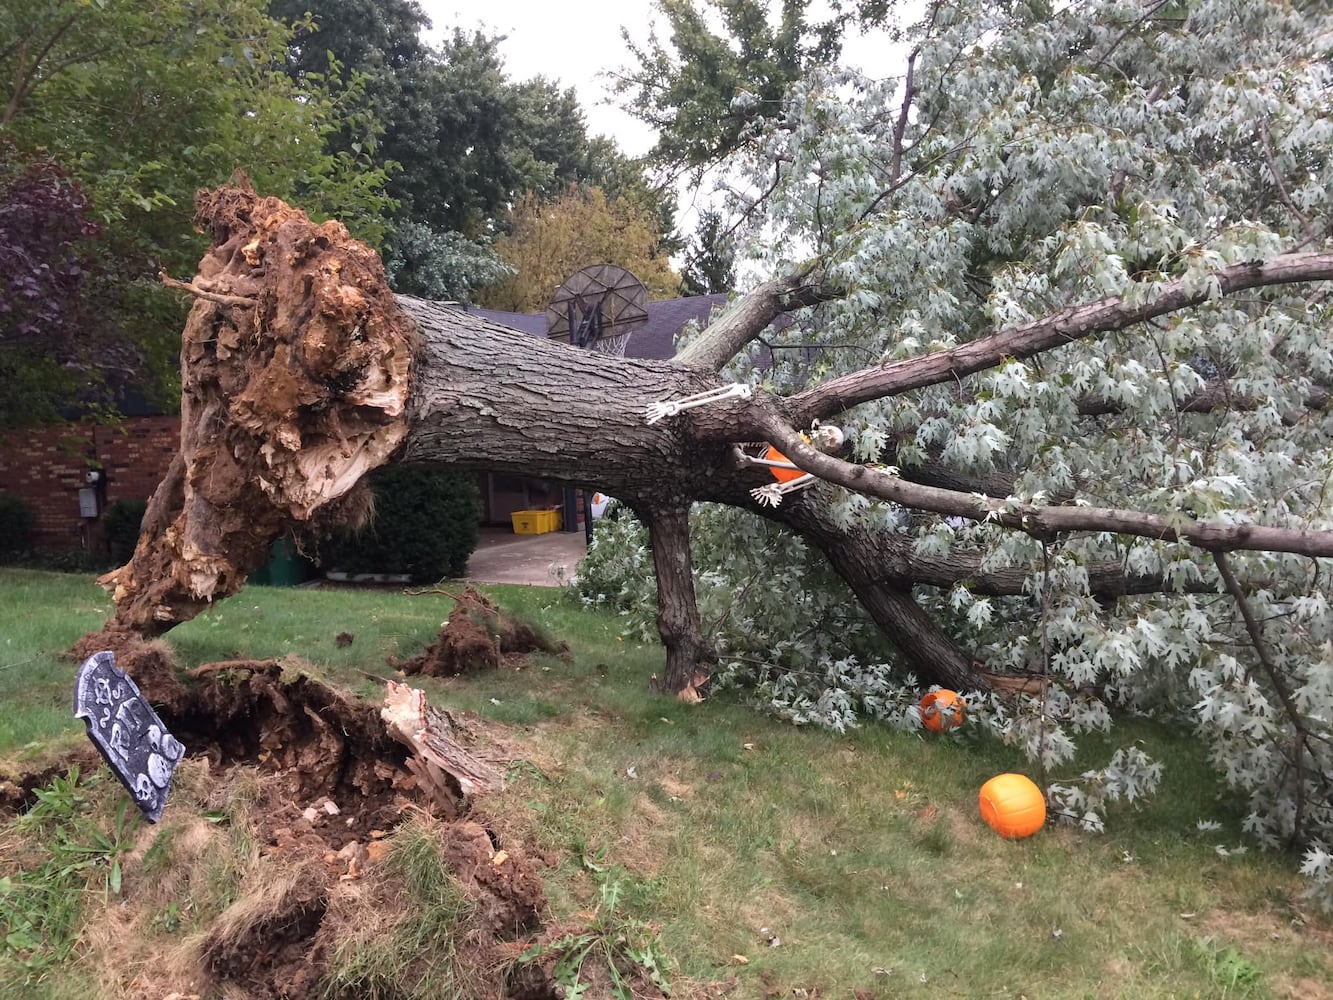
(827, 439)
(127, 732)
(669, 408)
(789, 477)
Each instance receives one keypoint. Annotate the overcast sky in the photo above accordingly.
(571, 42)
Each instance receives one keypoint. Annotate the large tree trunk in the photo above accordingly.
(296, 382)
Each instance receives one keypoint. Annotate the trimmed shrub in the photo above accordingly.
(425, 525)
(121, 522)
(15, 525)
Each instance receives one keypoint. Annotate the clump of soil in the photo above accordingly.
(536, 980)
(18, 784)
(262, 942)
(149, 662)
(479, 636)
(506, 886)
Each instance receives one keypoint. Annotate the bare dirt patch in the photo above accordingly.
(306, 786)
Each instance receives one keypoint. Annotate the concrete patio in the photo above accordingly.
(546, 560)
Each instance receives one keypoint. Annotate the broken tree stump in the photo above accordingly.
(449, 771)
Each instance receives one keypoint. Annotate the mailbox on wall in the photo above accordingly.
(90, 496)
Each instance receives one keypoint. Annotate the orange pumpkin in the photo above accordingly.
(781, 475)
(941, 710)
(1012, 805)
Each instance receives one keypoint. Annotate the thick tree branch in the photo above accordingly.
(1042, 521)
(1218, 394)
(750, 315)
(1284, 694)
(1064, 327)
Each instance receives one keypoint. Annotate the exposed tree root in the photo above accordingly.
(294, 367)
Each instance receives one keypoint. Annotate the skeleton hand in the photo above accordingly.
(654, 412)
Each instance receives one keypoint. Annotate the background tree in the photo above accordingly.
(710, 260)
(550, 240)
(703, 87)
(143, 104)
(462, 141)
(45, 259)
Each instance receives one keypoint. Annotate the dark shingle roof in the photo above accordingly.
(656, 338)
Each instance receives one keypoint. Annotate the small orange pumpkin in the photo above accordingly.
(781, 475)
(941, 710)
(1012, 805)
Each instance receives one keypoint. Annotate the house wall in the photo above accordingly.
(46, 466)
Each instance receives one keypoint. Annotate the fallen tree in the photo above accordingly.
(1063, 286)
(301, 371)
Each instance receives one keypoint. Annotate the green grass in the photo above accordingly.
(861, 855)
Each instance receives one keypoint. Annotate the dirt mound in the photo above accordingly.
(149, 661)
(479, 636)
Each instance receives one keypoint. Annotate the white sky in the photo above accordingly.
(573, 41)
(570, 41)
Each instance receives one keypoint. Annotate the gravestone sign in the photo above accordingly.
(127, 732)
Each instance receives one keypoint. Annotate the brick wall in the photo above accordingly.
(46, 465)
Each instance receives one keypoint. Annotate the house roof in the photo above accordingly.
(655, 339)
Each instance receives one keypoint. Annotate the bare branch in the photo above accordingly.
(750, 315)
(1042, 521)
(27, 75)
(1267, 144)
(1284, 694)
(1038, 336)
(900, 126)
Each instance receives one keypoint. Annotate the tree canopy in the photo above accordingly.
(142, 104)
(1036, 244)
(548, 240)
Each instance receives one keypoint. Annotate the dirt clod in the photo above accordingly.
(262, 942)
(479, 636)
(149, 662)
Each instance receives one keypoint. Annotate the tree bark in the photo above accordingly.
(678, 622)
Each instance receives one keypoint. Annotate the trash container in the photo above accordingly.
(286, 567)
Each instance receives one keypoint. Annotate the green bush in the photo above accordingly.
(121, 522)
(15, 525)
(63, 561)
(425, 526)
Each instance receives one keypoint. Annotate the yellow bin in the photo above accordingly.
(535, 522)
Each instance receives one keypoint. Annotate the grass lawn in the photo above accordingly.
(799, 862)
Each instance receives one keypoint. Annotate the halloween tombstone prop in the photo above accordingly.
(127, 732)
